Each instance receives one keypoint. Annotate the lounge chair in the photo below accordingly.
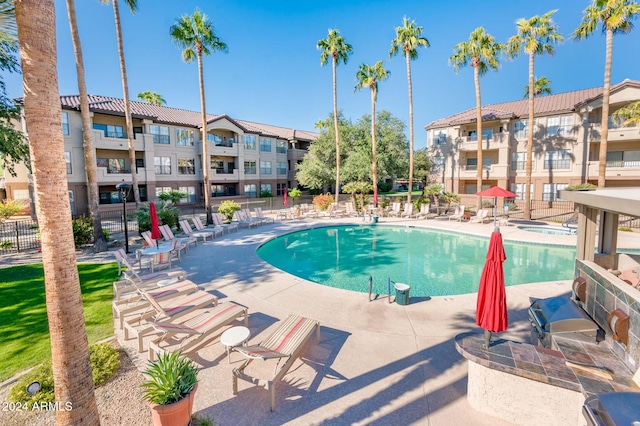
(458, 214)
(408, 211)
(186, 228)
(481, 216)
(284, 344)
(125, 261)
(217, 230)
(424, 211)
(337, 211)
(328, 212)
(308, 212)
(130, 280)
(350, 210)
(138, 326)
(260, 215)
(191, 333)
(167, 233)
(217, 221)
(395, 210)
(242, 220)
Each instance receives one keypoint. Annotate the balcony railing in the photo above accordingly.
(118, 171)
(623, 163)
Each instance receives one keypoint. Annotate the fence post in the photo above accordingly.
(17, 236)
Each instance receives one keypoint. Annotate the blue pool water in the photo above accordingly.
(549, 230)
(432, 262)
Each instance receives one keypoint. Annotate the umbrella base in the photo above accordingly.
(487, 339)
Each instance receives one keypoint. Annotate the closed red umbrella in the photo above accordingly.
(491, 308)
(285, 202)
(155, 229)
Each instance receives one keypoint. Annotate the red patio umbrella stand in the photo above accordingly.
(491, 308)
(155, 228)
(495, 192)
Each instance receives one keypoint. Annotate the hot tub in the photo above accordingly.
(549, 230)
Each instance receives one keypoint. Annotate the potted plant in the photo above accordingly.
(170, 388)
(467, 213)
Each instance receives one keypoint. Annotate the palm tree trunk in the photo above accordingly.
(337, 129)
(410, 126)
(604, 135)
(529, 161)
(374, 160)
(476, 78)
(100, 243)
(205, 148)
(127, 107)
(71, 367)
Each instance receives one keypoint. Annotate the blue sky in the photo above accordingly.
(272, 72)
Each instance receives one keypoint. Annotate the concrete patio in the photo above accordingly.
(377, 363)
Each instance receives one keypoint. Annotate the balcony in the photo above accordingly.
(626, 169)
(616, 134)
(100, 141)
(223, 149)
(493, 171)
(296, 154)
(107, 175)
(221, 175)
(470, 143)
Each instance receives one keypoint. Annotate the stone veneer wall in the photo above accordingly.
(605, 293)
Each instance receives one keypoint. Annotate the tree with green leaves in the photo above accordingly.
(133, 6)
(628, 115)
(369, 76)
(434, 191)
(482, 51)
(408, 39)
(152, 98)
(534, 36)
(541, 86)
(335, 47)
(614, 16)
(93, 197)
(195, 35)
(424, 167)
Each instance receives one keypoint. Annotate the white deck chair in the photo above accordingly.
(217, 230)
(186, 228)
(217, 221)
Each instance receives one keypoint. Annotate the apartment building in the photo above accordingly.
(566, 144)
(245, 158)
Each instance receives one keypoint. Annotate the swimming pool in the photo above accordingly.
(432, 262)
(549, 230)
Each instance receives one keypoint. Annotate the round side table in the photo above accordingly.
(235, 336)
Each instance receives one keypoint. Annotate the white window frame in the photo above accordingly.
(250, 190)
(250, 168)
(281, 168)
(188, 167)
(65, 123)
(560, 125)
(160, 134)
(265, 167)
(519, 190)
(557, 160)
(265, 144)
(249, 142)
(67, 159)
(551, 191)
(160, 165)
(518, 160)
(184, 137)
(191, 194)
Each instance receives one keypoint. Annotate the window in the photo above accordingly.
(249, 167)
(280, 188)
(281, 168)
(217, 191)
(518, 160)
(116, 166)
(21, 194)
(65, 124)
(184, 137)
(160, 134)
(162, 165)
(487, 134)
(67, 159)
(519, 189)
(265, 145)
(438, 164)
(472, 163)
(191, 194)
(162, 189)
(281, 146)
(265, 167)
(439, 137)
(560, 159)
(110, 131)
(550, 191)
(266, 187)
(186, 166)
(250, 191)
(139, 163)
(521, 129)
(560, 126)
(250, 142)
(623, 159)
(217, 165)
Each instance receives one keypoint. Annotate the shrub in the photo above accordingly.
(10, 208)
(167, 214)
(6, 244)
(580, 186)
(384, 186)
(228, 208)
(323, 201)
(420, 201)
(625, 229)
(487, 204)
(82, 231)
(174, 196)
(512, 206)
(105, 361)
(295, 193)
(266, 194)
(170, 378)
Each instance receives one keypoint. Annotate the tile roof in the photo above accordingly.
(176, 116)
(544, 105)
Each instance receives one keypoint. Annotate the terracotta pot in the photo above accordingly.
(176, 414)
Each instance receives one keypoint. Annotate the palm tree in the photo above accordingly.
(152, 98)
(100, 242)
(615, 17)
(69, 345)
(482, 51)
(535, 36)
(369, 76)
(336, 48)
(541, 86)
(195, 35)
(628, 115)
(408, 38)
(133, 6)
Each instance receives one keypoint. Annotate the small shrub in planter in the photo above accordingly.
(581, 187)
(228, 208)
(323, 201)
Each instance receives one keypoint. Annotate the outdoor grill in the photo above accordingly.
(560, 316)
(612, 409)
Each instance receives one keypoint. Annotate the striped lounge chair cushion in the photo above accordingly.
(201, 323)
(284, 341)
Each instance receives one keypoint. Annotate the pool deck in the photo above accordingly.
(376, 363)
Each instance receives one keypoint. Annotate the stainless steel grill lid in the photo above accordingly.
(615, 408)
(562, 314)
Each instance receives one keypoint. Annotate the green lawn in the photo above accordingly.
(24, 341)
